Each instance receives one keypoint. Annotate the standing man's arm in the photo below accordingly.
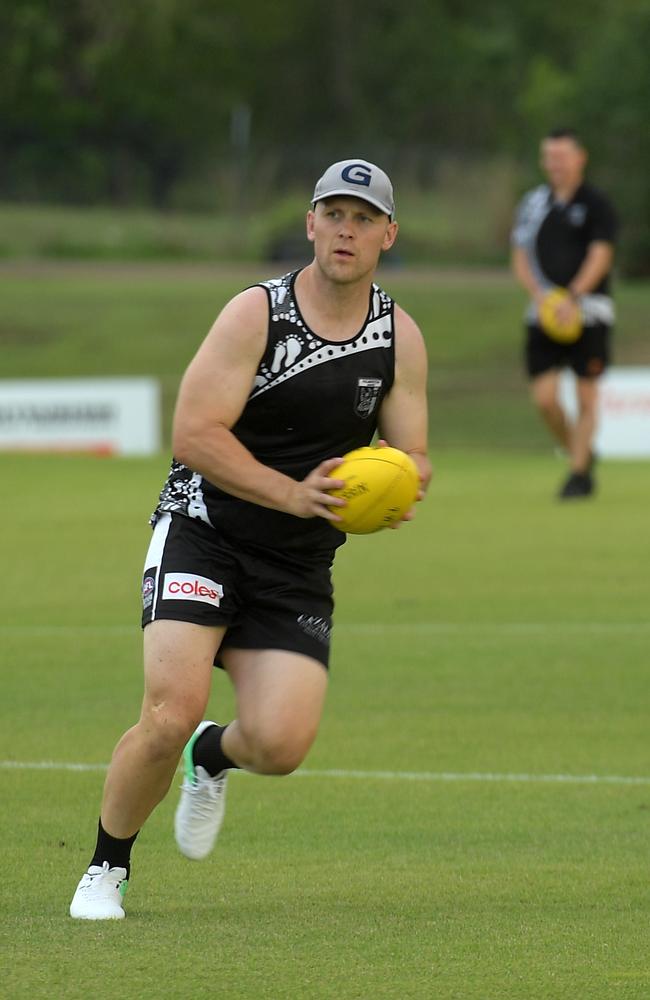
(593, 269)
(403, 420)
(603, 229)
(519, 240)
(524, 274)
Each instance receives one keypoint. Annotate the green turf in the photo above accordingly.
(501, 633)
(80, 319)
(440, 226)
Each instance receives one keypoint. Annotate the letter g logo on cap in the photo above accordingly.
(357, 173)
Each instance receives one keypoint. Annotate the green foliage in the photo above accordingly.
(613, 107)
(140, 102)
(548, 92)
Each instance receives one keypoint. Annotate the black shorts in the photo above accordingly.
(589, 356)
(193, 574)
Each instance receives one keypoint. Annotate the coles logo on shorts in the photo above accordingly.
(190, 587)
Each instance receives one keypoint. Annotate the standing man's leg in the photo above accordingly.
(576, 440)
(178, 664)
(585, 426)
(544, 391)
(580, 482)
(590, 357)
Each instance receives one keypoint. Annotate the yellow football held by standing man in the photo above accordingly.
(563, 331)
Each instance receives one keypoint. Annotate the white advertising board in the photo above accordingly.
(623, 411)
(118, 416)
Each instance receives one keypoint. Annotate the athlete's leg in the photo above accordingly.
(178, 665)
(280, 698)
(544, 392)
(585, 427)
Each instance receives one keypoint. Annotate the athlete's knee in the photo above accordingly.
(274, 752)
(166, 727)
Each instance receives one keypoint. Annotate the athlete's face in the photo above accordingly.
(348, 236)
(563, 161)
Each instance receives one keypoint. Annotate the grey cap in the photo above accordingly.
(359, 179)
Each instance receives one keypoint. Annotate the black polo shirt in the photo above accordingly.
(556, 235)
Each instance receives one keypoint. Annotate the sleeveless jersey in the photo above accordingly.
(312, 399)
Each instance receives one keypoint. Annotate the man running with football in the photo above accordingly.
(296, 372)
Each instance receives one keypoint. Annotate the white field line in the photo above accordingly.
(423, 776)
(370, 628)
(497, 628)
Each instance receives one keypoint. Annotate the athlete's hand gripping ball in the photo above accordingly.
(381, 486)
(560, 316)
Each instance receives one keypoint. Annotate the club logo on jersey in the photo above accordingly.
(357, 173)
(191, 587)
(577, 215)
(148, 588)
(365, 401)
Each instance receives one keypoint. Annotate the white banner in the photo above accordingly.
(109, 415)
(623, 411)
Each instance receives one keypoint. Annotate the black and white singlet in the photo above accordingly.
(312, 399)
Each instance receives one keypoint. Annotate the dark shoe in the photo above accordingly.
(579, 484)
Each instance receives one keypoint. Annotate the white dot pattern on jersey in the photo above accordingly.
(302, 349)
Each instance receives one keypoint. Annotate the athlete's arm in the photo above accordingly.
(524, 274)
(211, 398)
(593, 269)
(403, 418)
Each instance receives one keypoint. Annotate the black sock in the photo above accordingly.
(115, 850)
(207, 751)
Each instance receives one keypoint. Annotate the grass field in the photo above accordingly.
(489, 676)
(440, 225)
(85, 319)
(473, 821)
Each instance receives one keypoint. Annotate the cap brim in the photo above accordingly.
(353, 194)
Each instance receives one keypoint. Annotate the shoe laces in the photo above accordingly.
(103, 878)
(206, 792)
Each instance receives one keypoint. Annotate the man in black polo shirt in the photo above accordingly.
(563, 238)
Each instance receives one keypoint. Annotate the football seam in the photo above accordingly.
(378, 500)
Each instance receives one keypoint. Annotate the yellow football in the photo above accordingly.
(564, 333)
(381, 485)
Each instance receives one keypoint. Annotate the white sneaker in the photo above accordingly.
(201, 809)
(100, 893)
